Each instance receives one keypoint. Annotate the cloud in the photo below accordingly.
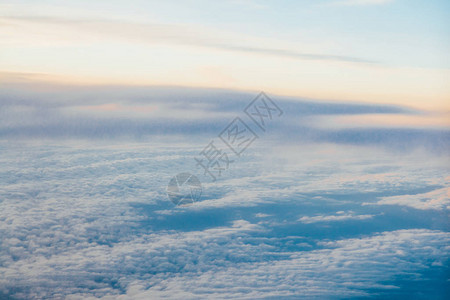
(438, 199)
(340, 216)
(358, 263)
(109, 112)
(156, 33)
(261, 215)
(84, 219)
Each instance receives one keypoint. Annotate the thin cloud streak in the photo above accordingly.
(174, 34)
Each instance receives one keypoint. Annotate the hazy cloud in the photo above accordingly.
(168, 33)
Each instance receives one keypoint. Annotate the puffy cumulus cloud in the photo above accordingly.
(339, 216)
(93, 220)
(83, 265)
(347, 268)
(438, 199)
(68, 220)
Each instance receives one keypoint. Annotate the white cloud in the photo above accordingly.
(332, 218)
(438, 199)
(351, 266)
(261, 215)
(94, 220)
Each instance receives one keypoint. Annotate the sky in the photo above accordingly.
(357, 50)
(339, 188)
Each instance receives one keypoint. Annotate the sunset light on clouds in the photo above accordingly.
(322, 49)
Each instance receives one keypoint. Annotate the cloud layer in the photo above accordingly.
(84, 219)
(49, 111)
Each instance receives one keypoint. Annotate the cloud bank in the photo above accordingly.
(108, 112)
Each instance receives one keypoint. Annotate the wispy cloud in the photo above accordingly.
(438, 199)
(187, 35)
(340, 216)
